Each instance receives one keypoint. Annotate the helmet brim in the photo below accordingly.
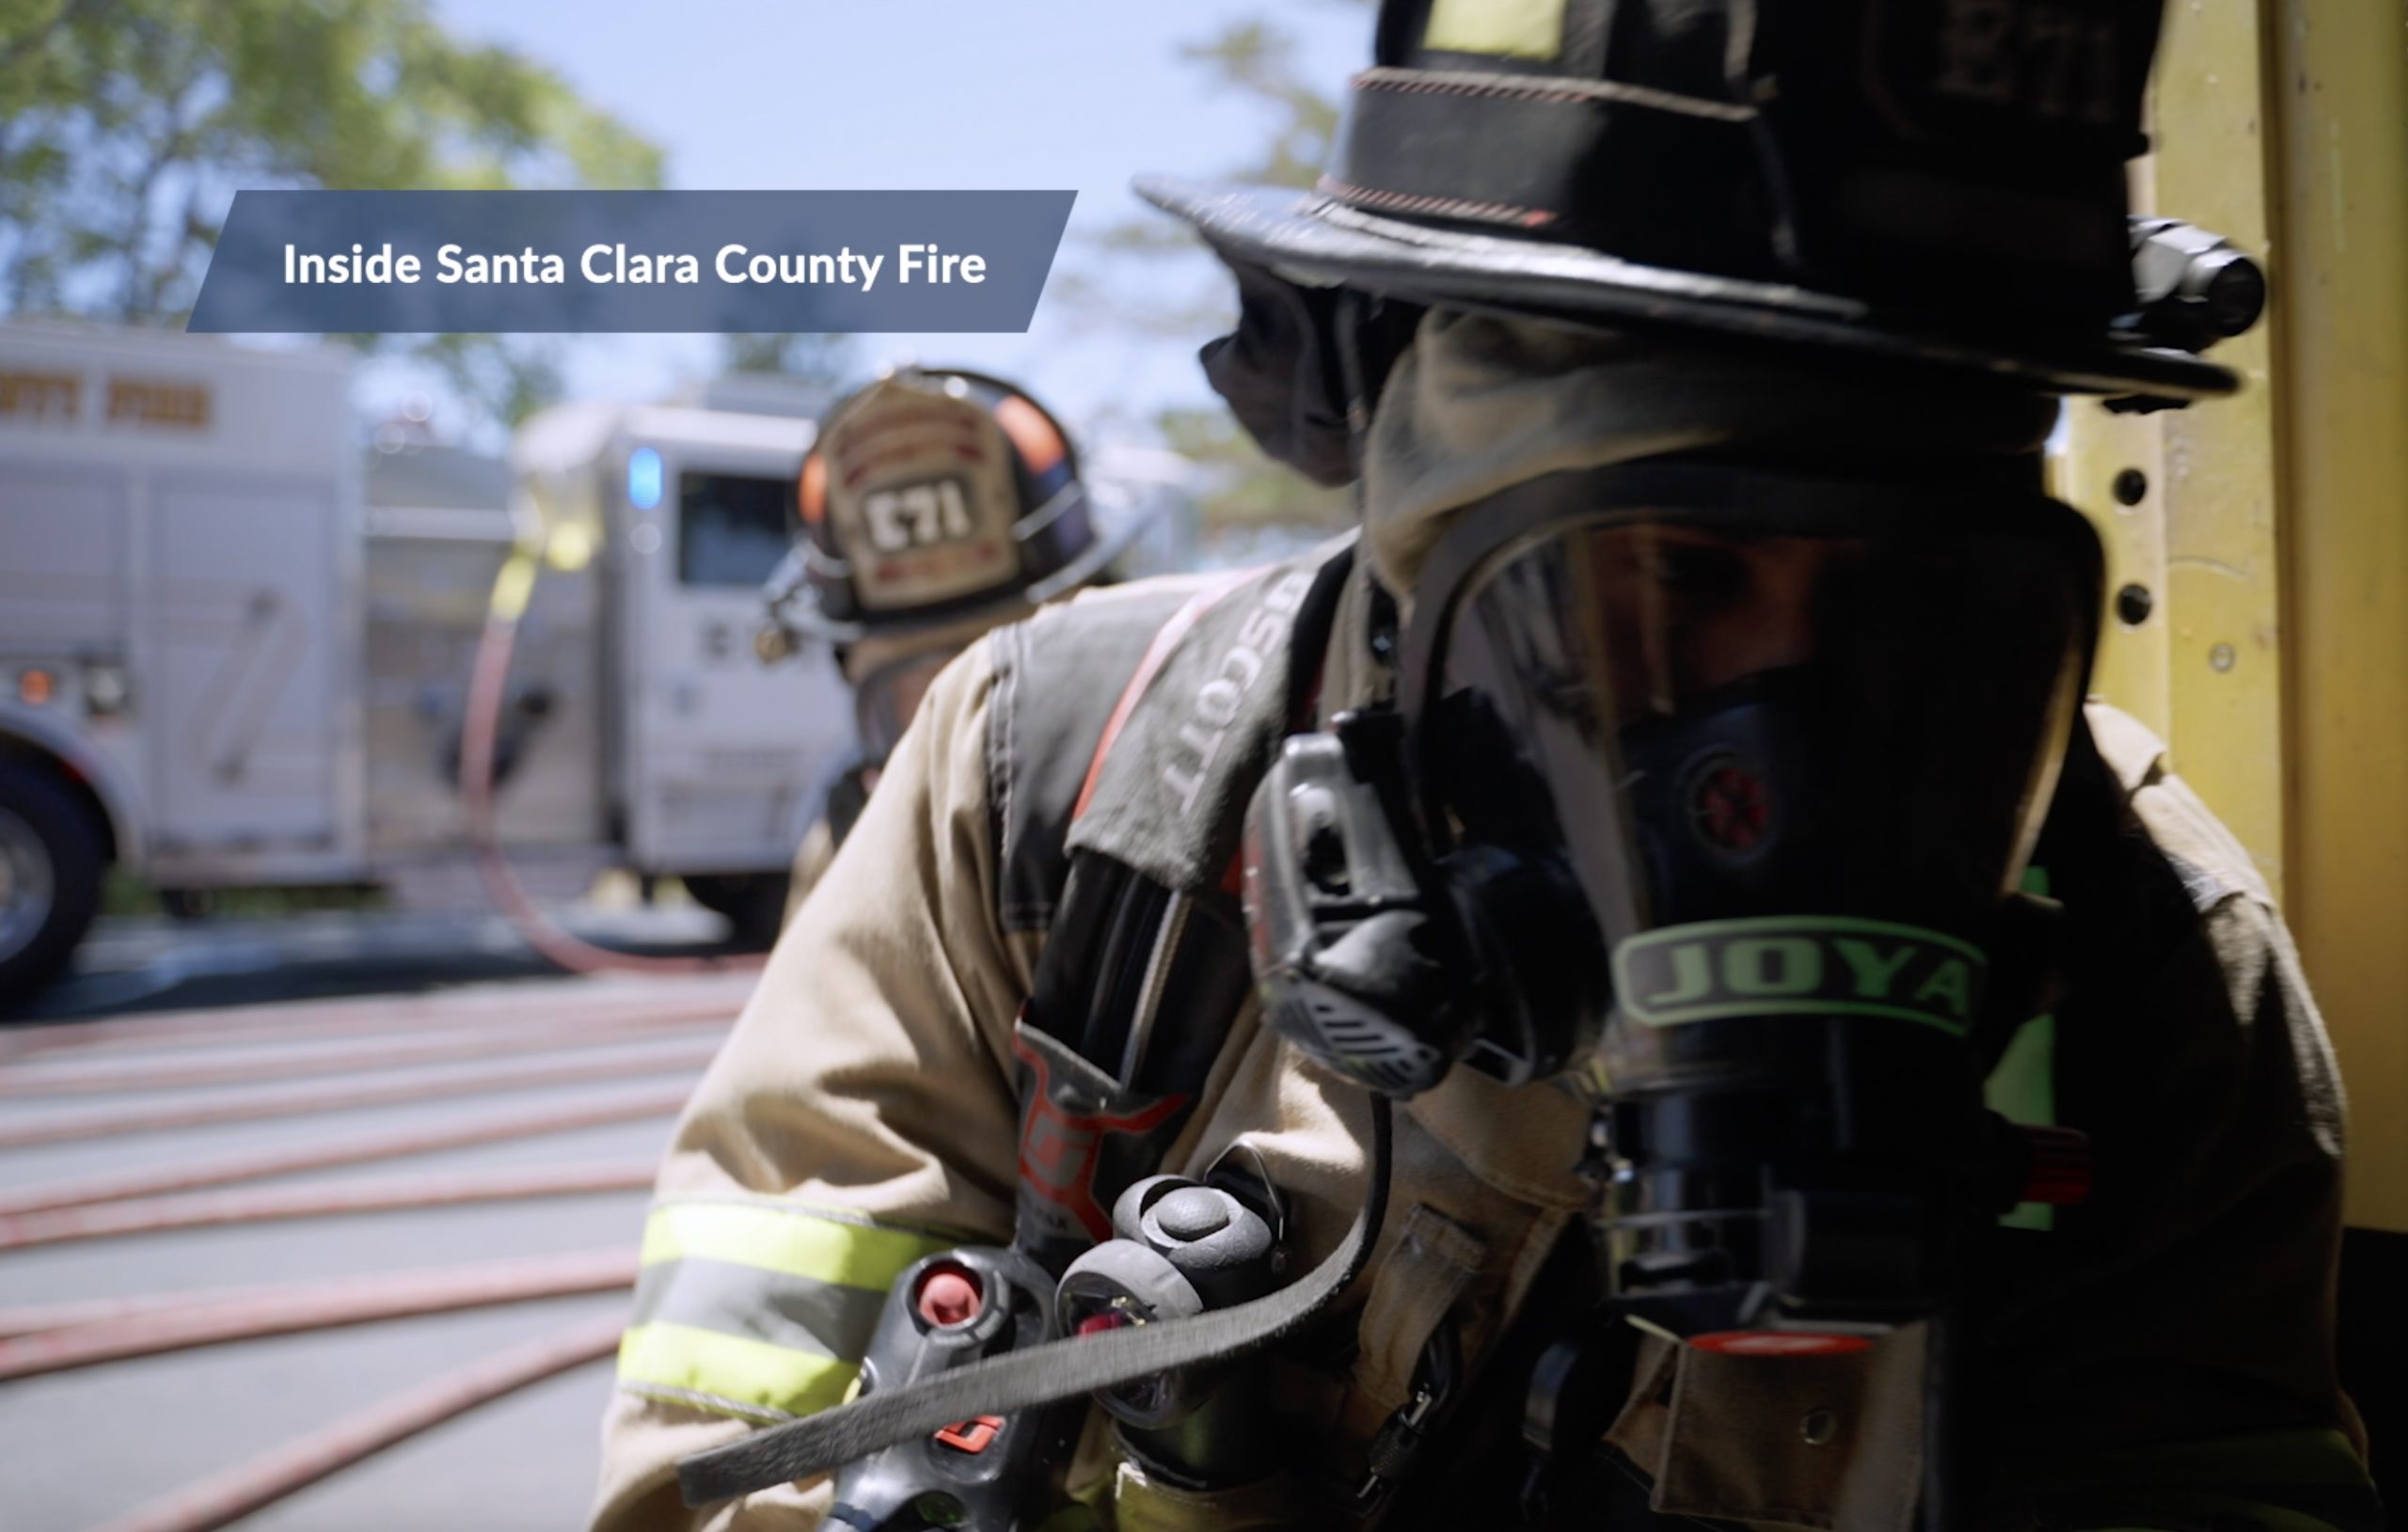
(1315, 241)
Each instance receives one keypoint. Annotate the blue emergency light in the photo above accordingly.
(643, 478)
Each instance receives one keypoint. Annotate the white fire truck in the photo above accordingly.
(231, 655)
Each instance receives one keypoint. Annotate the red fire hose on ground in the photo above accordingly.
(630, 1107)
(479, 733)
(48, 1338)
(223, 1498)
(83, 1077)
(257, 1106)
(471, 1013)
(270, 1204)
(45, 1339)
(148, 1327)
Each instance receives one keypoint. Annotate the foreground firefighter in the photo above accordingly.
(1839, 1080)
(938, 504)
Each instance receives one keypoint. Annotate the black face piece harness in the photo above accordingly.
(1709, 785)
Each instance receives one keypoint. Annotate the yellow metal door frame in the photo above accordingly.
(2270, 533)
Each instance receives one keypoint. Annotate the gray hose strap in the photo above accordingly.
(1041, 1375)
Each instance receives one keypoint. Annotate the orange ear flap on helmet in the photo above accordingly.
(811, 491)
(1033, 433)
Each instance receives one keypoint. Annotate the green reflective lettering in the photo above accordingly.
(1772, 965)
(1874, 972)
(1952, 983)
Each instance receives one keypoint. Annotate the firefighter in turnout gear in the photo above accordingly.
(1729, 1035)
(938, 504)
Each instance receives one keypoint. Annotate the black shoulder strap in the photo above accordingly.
(1067, 680)
(1124, 947)
(1059, 677)
(1139, 980)
(1132, 1000)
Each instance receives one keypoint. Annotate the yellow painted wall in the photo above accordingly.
(2272, 534)
(2339, 82)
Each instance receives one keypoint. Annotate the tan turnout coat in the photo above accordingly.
(869, 1086)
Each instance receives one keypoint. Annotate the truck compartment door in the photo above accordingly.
(724, 753)
(244, 607)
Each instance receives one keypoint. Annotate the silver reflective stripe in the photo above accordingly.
(790, 1311)
(760, 1307)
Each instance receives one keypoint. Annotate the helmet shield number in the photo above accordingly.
(922, 494)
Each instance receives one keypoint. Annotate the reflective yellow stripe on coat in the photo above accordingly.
(759, 1309)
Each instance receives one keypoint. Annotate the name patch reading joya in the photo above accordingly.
(1798, 964)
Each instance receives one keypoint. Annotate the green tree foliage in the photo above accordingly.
(1157, 278)
(1255, 60)
(1248, 59)
(125, 125)
(1258, 60)
(1249, 491)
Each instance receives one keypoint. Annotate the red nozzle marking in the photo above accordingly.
(1095, 1324)
(1778, 1343)
(973, 1435)
(948, 1295)
(2056, 1165)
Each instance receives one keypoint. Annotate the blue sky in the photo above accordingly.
(759, 94)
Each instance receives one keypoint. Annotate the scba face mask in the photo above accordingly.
(1707, 787)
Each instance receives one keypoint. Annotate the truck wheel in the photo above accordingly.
(50, 877)
(753, 902)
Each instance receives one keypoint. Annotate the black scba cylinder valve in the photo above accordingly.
(1719, 1233)
(1182, 1248)
(1810, 1216)
(991, 1472)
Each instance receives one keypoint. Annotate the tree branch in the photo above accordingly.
(34, 39)
(142, 284)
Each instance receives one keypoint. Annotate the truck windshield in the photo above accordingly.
(732, 528)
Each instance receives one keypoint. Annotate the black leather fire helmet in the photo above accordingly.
(931, 498)
(1924, 180)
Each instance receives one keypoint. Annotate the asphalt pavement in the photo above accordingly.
(218, 1060)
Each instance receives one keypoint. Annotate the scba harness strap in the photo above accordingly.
(1133, 996)
(1117, 829)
